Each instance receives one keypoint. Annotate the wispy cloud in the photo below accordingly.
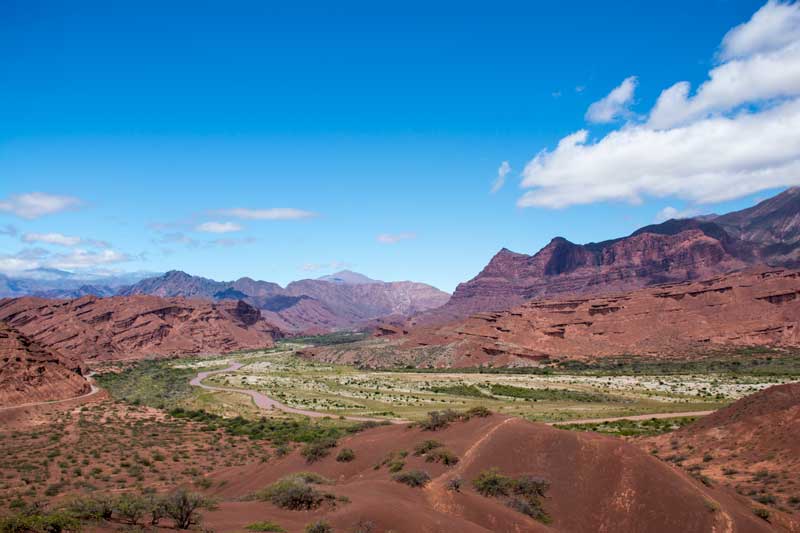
(333, 265)
(9, 230)
(37, 204)
(615, 104)
(394, 238)
(273, 213)
(218, 227)
(76, 259)
(500, 179)
(51, 238)
(737, 135)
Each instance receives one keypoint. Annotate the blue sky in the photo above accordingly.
(382, 127)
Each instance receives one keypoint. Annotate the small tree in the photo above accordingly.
(320, 526)
(183, 507)
(131, 508)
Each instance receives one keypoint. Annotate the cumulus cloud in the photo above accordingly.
(739, 134)
(394, 238)
(51, 238)
(774, 26)
(218, 227)
(274, 213)
(37, 204)
(615, 104)
(500, 180)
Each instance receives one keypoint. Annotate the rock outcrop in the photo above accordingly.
(673, 251)
(30, 373)
(756, 307)
(138, 326)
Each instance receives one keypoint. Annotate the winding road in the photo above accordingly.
(94, 389)
(265, 402)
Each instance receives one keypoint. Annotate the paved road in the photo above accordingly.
(94, 390)
(633, 417)
(265, 402)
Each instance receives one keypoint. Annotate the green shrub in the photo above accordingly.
(446, 457)
(346, 455)
(295, 492)
(437, 420)
(39, 522)
(321, 526)
(762, 513)
(522, 494)
(131, 508)
(270, 527)
(413, 478)
(91, 508)
(183, 507)
(479, 411)
(421, 448)
(314, 451)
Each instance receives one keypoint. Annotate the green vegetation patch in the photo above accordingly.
(470, 391)
(629, 428)
(523, 494)
(547, 395)
(153, 383)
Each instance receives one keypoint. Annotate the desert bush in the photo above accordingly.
(522, 494)
(183, 507)
(762, 513)
(294, 492)
(314, 451)
(437, 420)
(90, 508)
(479, 411)
(421, 448)
(454, 484)
(413, 478)
(346, 455)
(131, 508)
(364, 526)
(321, 526)
(267, 526)
(39, 522)
(446, 457)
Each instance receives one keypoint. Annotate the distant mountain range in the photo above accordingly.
(342, 300)
(673, 251)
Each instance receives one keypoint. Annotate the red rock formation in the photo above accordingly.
(138, 326)
(754, 307)
(676, 250)
(30, 373)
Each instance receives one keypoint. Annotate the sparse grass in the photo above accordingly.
(522, 494)
(266, 526)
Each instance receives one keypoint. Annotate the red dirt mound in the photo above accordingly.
(30, 373)
(126, 327)
(597, 483)
(751, 445)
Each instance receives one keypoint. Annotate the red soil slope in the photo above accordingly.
(138, 326)
(754, 307)
(30, 373)
(598, 483)
(751, 445)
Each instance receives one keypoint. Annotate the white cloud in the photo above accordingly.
(51, 238)
(218, 227)
(394, 238)
(275, 213)
(773, 26)
(77, 259)
(37, 204)
(738, 135)
(333, 265)
(500, 180)
(615, 104)
(81, 259)
(670, 212)
(752, 79)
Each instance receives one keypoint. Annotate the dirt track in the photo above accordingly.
(94, 390)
